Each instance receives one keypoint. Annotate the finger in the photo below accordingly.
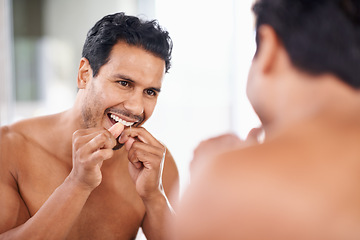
(81, 140)
(100, 155)
(146, 159)
(136, 163)
(102, 140)
(116, 129)
(139, 133)
(86, 131)
(129, 143)
(140, 146)
(134, 160)
(82, 137)
(86, 135)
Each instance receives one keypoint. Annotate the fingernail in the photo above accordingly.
(116, 129)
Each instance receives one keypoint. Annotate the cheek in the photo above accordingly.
(91, 110)
(110, 96)
(149, 108)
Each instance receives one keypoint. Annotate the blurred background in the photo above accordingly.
(202, 96)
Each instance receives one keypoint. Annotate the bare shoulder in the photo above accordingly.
(171, 178)
(13, 142)
(9, 138)
(285, 187)
(15, 138)
(9, 133)
(30, 127)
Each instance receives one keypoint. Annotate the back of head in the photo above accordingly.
(320, 36)
(120, 27)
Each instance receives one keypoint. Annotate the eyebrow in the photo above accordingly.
(122, 76)
(127, 78)
(156, 89)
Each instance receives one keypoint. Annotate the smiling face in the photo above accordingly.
(126, 88)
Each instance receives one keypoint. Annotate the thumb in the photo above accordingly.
(129, 143)
(116, 129)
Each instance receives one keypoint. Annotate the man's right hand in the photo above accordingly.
(211, 148)
(90, 147)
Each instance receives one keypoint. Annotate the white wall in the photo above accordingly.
(204, 93)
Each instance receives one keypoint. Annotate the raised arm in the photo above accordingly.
(156, 178)
(160, 209)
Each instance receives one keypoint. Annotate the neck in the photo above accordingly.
(325, 100)
(66, 123)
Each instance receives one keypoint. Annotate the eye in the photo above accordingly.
(150, 92)
(124, 83)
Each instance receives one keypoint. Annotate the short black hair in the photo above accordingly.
(320, 36)
(117, 27)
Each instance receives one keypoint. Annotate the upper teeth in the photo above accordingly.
(123, 122)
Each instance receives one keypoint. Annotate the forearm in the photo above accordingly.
(56, 217)
(158, 212)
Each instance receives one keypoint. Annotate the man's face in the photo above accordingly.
(126, 88)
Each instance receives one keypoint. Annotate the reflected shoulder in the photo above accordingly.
(171, 178)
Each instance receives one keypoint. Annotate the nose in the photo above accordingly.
(135, 103)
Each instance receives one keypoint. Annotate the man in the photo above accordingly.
(302, 181)
(61, 176)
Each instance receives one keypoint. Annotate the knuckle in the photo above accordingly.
(161, 150)
(76, 133)
(76, 143)
(95, 156)
(109, 154)
(135, 144)
(112, 143)
(79, 155)
(102, 137)
(135, 154)
(103, 154)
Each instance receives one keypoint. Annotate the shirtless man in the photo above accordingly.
(302, 181)
(60, 177)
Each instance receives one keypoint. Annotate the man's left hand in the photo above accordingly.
(146, 160)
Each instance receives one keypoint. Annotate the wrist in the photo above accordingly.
(77, 186)
(155, 199)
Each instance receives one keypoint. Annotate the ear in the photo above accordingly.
(84, 73)
(268, 48)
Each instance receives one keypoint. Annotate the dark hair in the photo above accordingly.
(119, 27)
(320, 36)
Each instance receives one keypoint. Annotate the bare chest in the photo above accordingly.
(109, 214)
(112, 211)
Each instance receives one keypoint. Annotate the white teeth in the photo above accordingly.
(123, 122)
